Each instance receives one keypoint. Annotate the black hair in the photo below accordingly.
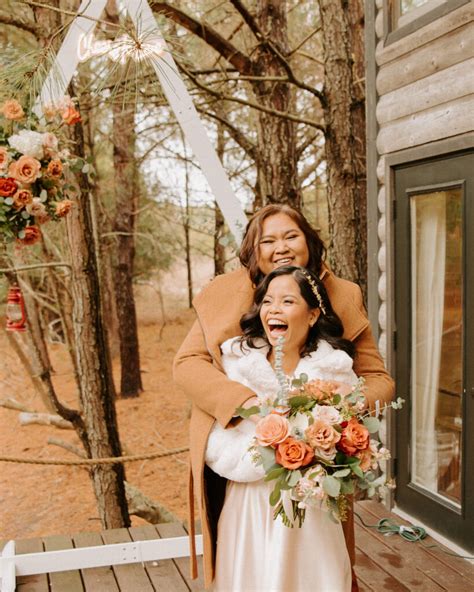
(249, 249)
(328, 326)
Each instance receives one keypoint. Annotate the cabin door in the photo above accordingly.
(434, 341)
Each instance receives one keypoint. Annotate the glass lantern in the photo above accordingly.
(15, 313)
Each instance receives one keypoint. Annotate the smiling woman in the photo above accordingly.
(275, 236)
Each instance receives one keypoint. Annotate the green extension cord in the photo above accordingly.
(413, 534)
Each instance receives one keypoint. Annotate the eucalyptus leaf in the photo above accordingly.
(21, 234)
(347, 487)
(86, 168)
(342, 473)
(336, 399)
(9, 201)
(298, 401)
(246, 413)
(304, 378)
(43, 196)
(275, 495)
(25, 215)
(274, 473)
(357, 470)
(331, 486)
(294, 477)
(268, 457)
(372, 424)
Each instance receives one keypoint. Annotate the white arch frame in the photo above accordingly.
(173, 87)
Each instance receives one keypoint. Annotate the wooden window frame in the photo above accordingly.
(394, 33)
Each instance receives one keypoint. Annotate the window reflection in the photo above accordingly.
(436, 258)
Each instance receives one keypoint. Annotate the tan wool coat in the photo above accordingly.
(198, 371)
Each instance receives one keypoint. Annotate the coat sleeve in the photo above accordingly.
(369, 364)
(203, 383)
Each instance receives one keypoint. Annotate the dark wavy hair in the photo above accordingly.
(328, 326)
(249, 249)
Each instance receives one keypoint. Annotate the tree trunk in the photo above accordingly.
(126, 207)
(345, 137)
(277, 161)
(97, 392)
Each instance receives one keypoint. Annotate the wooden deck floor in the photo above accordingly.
(384, 564)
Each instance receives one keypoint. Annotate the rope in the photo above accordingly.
(413, 534)
(94, 461)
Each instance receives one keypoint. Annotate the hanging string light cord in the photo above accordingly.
(413, 534)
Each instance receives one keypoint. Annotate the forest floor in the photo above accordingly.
(42, 500)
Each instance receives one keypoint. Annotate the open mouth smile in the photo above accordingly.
(276, 327)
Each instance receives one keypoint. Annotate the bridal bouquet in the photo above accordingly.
(316, 445)
(33, 162)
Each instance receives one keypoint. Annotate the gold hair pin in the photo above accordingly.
(315, 290)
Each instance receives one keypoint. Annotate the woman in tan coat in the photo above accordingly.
(277, 235)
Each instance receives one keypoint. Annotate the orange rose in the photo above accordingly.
(32, 235)
(22, 198)
(55, 169)
(4, 158)
(70, 115)
(355, 437)
(293, 454)
(322, 435)
(272, 429)
(8, 186)
(320, 389)
(25, 170)
(63, 207)
(12, 109)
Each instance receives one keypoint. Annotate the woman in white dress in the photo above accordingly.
(256, 553)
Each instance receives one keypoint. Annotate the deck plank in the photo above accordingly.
(174, 529)
(368, 571)
(409, 561)
(36, 582)
(461, 566)
(96, 579)
(130, 577)
(63, 580)
(163, 574)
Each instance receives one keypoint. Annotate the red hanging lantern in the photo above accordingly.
(16, 315)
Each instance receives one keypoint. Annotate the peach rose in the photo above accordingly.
(12, 109)
(32, 235)
(272, 429)
(37, 209)
(50, 144)
(322, 435)
(70, 115)
(320, 389)
(55, 169)
(365, 457)
(355, 437)
(25, 170)
(293, 454)
(63, 207)
(8, 186)
(22, 198)
(4, 158)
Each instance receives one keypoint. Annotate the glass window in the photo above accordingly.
(437, 338)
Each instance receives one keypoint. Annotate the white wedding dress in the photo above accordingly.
(254, 552)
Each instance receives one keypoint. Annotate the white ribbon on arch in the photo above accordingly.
(173, 87)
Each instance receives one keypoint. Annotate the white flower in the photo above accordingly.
(36, 208)
(326, 413)
(28, 142)
(298, 422)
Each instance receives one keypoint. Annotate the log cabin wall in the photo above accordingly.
(420, 90)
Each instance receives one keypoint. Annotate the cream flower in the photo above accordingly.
(28, 142)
